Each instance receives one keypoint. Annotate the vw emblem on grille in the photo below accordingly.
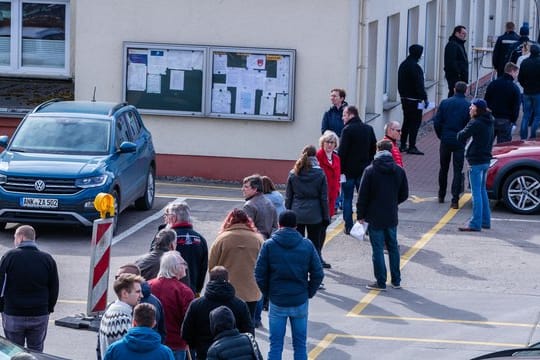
(39, 185)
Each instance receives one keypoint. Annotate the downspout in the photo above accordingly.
(360, 69)
(353, 54)
(443, 38)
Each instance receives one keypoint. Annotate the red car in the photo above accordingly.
(514, 176)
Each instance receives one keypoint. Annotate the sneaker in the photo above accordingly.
(396, 286)
(375, 286)
(321, 287)
(326, 265)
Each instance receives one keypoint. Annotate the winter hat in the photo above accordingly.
(480, 103)
(416, 50)
(221, 319)
(524, 30)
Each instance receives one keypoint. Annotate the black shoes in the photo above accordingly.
(414, 151)
(441, 199)
(403, 148)
(454, 205)
(326, 265)
(468, 229)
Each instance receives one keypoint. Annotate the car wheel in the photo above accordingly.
(521, 192)
(146, 201)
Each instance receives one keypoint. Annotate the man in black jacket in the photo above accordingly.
(504, 99)
(456, 61)
(384, 186)
(356, 151)
(451, 117)
(412, 91)
(196, 326)
(529, 78)
(503, 47)
(29, 279)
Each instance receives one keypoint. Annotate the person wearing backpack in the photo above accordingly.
(503, 47)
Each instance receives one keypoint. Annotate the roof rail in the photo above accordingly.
(46, 103)
(117, 107)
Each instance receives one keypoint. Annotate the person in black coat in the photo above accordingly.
(504, 99)
(384, 186)
(412, 91)
(529, 78)
(451, 117)
(229, 343)
(503, 47)
(356, 151)
(196, 328)
(456, 61)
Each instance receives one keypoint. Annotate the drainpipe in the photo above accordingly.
(443, 38)
(353, 84)
(360, 69)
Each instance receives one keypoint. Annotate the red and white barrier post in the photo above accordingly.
(100, 252)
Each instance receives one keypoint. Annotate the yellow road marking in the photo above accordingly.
(370, 296)
(199, 197)
(200, 186)
(446, 321)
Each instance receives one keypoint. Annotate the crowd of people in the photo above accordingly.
(268, 254)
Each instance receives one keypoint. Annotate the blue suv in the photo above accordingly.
(63, 153)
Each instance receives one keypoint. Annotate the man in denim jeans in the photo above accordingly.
(288, 272)
(356, 151)
(29, 279)
(383, 187)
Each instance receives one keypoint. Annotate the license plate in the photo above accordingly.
(39, 203)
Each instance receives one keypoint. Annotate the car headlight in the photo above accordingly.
(91, 182)
(3, 179)
(493, 162)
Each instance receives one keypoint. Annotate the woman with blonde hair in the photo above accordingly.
(307, 196)
(236, 248)
(330, 163)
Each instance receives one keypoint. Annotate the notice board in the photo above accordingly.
(165, 79)
(210, 81)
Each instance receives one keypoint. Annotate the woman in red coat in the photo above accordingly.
(331, 165)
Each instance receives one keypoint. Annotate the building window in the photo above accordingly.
(430, 48)
(413, 17)
(34, 37)
(392, 45)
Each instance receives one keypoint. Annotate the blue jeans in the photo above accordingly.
(33, 329)
(179, 354)
(481, 217)
(277, 317)
(378, 238)
(531, 106)
(348, 193)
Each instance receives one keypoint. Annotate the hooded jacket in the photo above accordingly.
(411, 76)
(383, 187)
(307, 194)
(529, 72)
(138, 344)
(288, 270)
(229, 343)
(196, 326)
(456, 62)
(481, 129)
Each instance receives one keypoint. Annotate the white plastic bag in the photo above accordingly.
(359, 231)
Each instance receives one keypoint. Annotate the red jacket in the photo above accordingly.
(396, 154)
(332, 172)
(175, 297)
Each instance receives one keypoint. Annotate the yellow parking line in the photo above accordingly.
(238, 187)
(199, 197)
(447, 321)
(326, 342)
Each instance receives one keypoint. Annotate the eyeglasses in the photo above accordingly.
(398, 130)
(329, 142)
(167, 214)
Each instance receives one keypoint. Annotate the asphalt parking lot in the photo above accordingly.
(464, 294)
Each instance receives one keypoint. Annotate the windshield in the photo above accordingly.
(56, 135)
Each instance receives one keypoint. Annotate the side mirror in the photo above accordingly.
(127, 147)
(4, 139)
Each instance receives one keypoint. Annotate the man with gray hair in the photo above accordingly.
(189, 243)
(392, 132)
(258, 208)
